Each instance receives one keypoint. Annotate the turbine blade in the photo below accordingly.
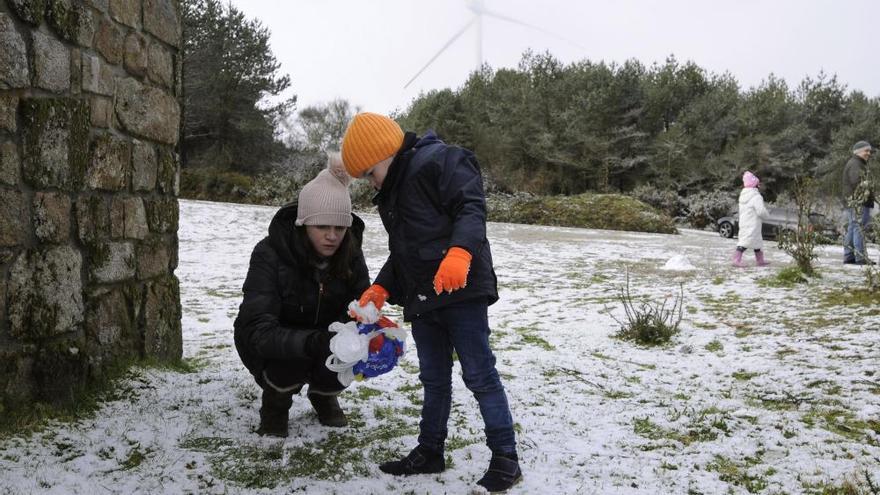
(531, 26)
(443, 49)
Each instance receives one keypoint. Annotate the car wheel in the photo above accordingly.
(726, 230)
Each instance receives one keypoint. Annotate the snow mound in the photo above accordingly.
(678, 262)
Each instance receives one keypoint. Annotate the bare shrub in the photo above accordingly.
(649, 323)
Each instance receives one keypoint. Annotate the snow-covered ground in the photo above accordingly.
(765, 390)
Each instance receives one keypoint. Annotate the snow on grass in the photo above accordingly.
(767, 389)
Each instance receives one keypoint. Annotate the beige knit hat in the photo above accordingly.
(325, 199)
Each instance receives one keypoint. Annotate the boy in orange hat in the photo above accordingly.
(431, 201)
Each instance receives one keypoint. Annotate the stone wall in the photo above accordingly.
(89, 125)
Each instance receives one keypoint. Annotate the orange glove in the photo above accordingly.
(375, 293)
(453, 271)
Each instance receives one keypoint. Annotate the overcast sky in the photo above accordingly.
(366, 50)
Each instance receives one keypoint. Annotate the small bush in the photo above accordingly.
(704, 208)
(665, 200)
(801, 243)
(214, 185)
(591, 211)
(274, 189)
(649, 323)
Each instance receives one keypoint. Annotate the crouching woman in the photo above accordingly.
(301, 278)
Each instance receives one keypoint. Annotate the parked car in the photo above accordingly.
(780, 220)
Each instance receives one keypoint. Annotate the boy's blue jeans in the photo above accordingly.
(464, 329)
(854, 240)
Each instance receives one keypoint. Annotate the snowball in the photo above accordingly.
(366, 314)
(678, 262)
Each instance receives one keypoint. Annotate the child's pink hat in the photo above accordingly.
(750, 179)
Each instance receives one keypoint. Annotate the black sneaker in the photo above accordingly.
(420, 460)
(502, 474)
(329, 412)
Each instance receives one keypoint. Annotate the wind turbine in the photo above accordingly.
(478, 8)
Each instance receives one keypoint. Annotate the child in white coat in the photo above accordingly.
(751, 211)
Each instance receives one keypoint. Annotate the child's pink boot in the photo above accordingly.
(759, 258)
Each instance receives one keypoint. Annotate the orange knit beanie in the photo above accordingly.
(369, 139)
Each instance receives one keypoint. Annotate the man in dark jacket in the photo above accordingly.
(301, 278)
(431, 201)
(858, 199)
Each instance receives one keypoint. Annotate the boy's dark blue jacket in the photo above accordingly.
(432, 199)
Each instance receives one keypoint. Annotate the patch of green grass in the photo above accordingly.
(787, 278)
(617, 394)
(704, 325)
(217, 346)
(339, 456)
(528, 336)
(859, 483)
(456, 442)
(412, 369)
(782, 353)
(737, 473)
(843, 423)
(715, 346)
(743, 375)
(718, 280)
(851, 297)
(776, 403)
(113, 384)
(228, 294)
(185, 365)
(383, 412)
(407, 388)
(646, 428)
(134, 459)
(366, 393)
(743, 330)
(697, 430)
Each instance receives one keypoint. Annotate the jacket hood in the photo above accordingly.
(428, 139)
(287, 241)
(410, 141)
(747, 194)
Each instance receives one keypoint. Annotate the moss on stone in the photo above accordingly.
(45, 294)
(97, 254)
(41, 117)
(162, 214)
(93, 219)
(162, 312)
(64, 18)
(30, 11)
(60, 370)
(167, 171)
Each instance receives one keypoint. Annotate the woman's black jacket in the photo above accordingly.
(287, 298)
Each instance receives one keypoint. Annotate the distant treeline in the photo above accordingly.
(670, 133)
(550, 128)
